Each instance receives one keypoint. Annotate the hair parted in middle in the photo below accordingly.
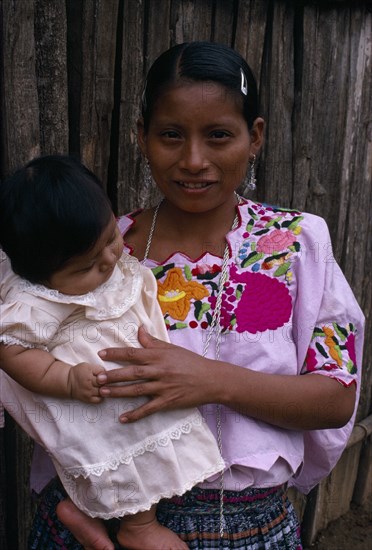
(51, 210)
(201, 62)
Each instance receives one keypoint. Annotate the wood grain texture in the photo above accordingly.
(129, 185)
(98, 44)
(251, 21)
(275, 179)
(21, 106)
(50, 27)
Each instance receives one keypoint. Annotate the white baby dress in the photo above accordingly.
(108, 469)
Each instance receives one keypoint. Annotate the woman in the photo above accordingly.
(266, 334)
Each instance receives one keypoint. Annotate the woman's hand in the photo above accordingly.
(175, 378)
(171, 376)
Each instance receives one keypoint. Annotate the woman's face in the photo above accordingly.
(198, 145)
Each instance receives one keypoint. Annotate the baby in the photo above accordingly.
(68, 291)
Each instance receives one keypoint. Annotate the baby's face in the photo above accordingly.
(84, 273)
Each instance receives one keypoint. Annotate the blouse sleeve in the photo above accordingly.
(329, 327)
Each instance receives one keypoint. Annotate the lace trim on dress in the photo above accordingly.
(149, 445)
(13, 341)
(102, 302)
(201, 476)
(54, 295)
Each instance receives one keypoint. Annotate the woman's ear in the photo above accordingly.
(257, 135)
(141, 136)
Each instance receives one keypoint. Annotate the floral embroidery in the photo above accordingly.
(310, 360)
(228, 319)
(350, 346)
(176, 292)
(332, 344)
(265, 302)
(276, 230)
(254, 299)
(205, 271)
(276, 241)
(332, 348)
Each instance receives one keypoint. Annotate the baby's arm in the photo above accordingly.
(38, 371)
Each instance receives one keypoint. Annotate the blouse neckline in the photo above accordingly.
(179, 253)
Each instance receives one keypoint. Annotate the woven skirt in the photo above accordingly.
(254, 519)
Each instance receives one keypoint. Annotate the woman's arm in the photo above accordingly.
(38, 371)
(177, 378)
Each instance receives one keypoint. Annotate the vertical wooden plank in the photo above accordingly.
(2, 98)
(223, 23)
(51, 72)
(332, 497)
(305, 37)
(354, 230)
(191, 20)
(21, 109)
(329, 56)
(332, 147)
(363, 484)
(129, 161)
(74, 9)
(251, 24)
(158, 16)
(99, 22)
(21, 139)
(355, 184)
(277, 98)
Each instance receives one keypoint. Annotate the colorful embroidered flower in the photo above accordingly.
(334, 349)
(275, 241)
(176, 293)
(350, 346)
(204, 269)
(310, 361)
(265, 303)
(227, 310)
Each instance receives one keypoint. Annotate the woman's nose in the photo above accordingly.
(193, 159)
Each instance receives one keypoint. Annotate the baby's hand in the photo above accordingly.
(82, 380)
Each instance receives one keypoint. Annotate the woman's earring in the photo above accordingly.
(249, 183)
(147, 174)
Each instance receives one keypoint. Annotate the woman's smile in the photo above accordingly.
(194, 186)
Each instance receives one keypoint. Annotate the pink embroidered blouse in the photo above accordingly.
(287, 309)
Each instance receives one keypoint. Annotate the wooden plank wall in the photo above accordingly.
(71, 75)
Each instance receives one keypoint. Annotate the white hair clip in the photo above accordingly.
(243, 83)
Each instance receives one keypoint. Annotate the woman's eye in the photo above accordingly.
(171, 134)
(219, 134)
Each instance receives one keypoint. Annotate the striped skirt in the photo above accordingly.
(254, 519)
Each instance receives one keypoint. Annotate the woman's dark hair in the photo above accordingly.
(51, 210)
(204, 62)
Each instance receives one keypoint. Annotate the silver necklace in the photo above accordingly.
(215, 329)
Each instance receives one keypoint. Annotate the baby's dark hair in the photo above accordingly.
(201, 62)
(51, 210)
